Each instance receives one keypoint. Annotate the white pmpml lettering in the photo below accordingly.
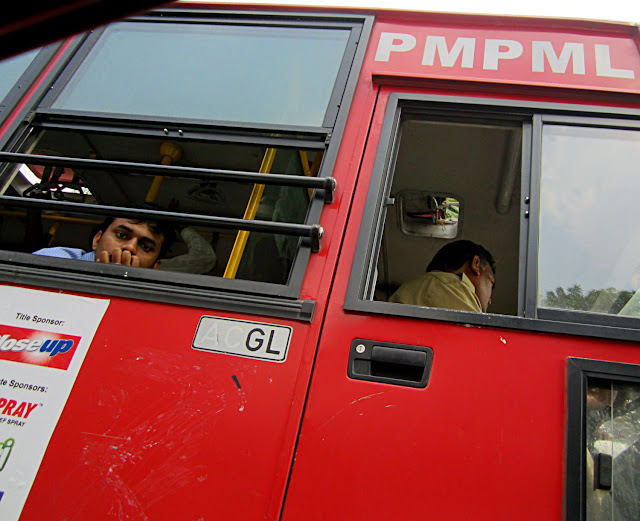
(438, 51)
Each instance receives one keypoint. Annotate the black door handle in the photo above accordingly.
(397, 364)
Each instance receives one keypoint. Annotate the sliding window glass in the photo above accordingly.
(589, 256)
(217, 126)
(273, 75)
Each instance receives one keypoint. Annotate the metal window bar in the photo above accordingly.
(313, 232)
(327, 184)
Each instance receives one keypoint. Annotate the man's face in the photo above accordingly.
(128, 242)
(484, 284)
(483, 280)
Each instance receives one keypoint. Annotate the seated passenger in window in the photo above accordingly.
(139, 243)
(142, 243)
(460, 277)
(199, 259)
(125, 241)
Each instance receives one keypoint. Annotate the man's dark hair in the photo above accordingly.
(159, 227)
(453, 255)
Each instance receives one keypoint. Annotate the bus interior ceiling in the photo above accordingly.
(471, 160)
(185, 195)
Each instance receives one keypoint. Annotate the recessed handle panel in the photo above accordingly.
(397, 364)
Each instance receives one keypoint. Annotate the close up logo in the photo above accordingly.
(37, 347)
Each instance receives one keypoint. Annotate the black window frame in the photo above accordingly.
(534, 115)
(579, 372)
(26, 79)
(279, 300)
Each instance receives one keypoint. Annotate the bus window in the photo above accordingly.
(613, 445)
(12, 68)
(191, 193)
(548, 191)
(603, 452)
(151, 111)
(466, 168)
(19, 73)
(141, 68)
(589, 213)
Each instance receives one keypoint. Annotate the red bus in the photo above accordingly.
(311, 161)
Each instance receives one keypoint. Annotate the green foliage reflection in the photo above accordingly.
(609, 300)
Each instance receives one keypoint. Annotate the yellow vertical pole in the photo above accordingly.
(305, 168)
(250, 212)
(169, 153)
(305, 162)
(315, 166)
(53, 230)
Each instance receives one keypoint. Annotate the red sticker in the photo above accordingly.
(31, 346)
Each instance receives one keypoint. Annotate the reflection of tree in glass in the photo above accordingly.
(609, 300)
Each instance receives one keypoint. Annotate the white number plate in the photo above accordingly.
(243, 338)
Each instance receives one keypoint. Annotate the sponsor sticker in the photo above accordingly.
(32, 346)
(44, 338)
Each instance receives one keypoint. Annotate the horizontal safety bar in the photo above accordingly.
(328, 184)
(313, 232)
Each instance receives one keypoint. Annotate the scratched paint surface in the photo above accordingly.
(155, 430)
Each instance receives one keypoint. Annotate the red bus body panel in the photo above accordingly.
(486, 439)
(154, 429)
